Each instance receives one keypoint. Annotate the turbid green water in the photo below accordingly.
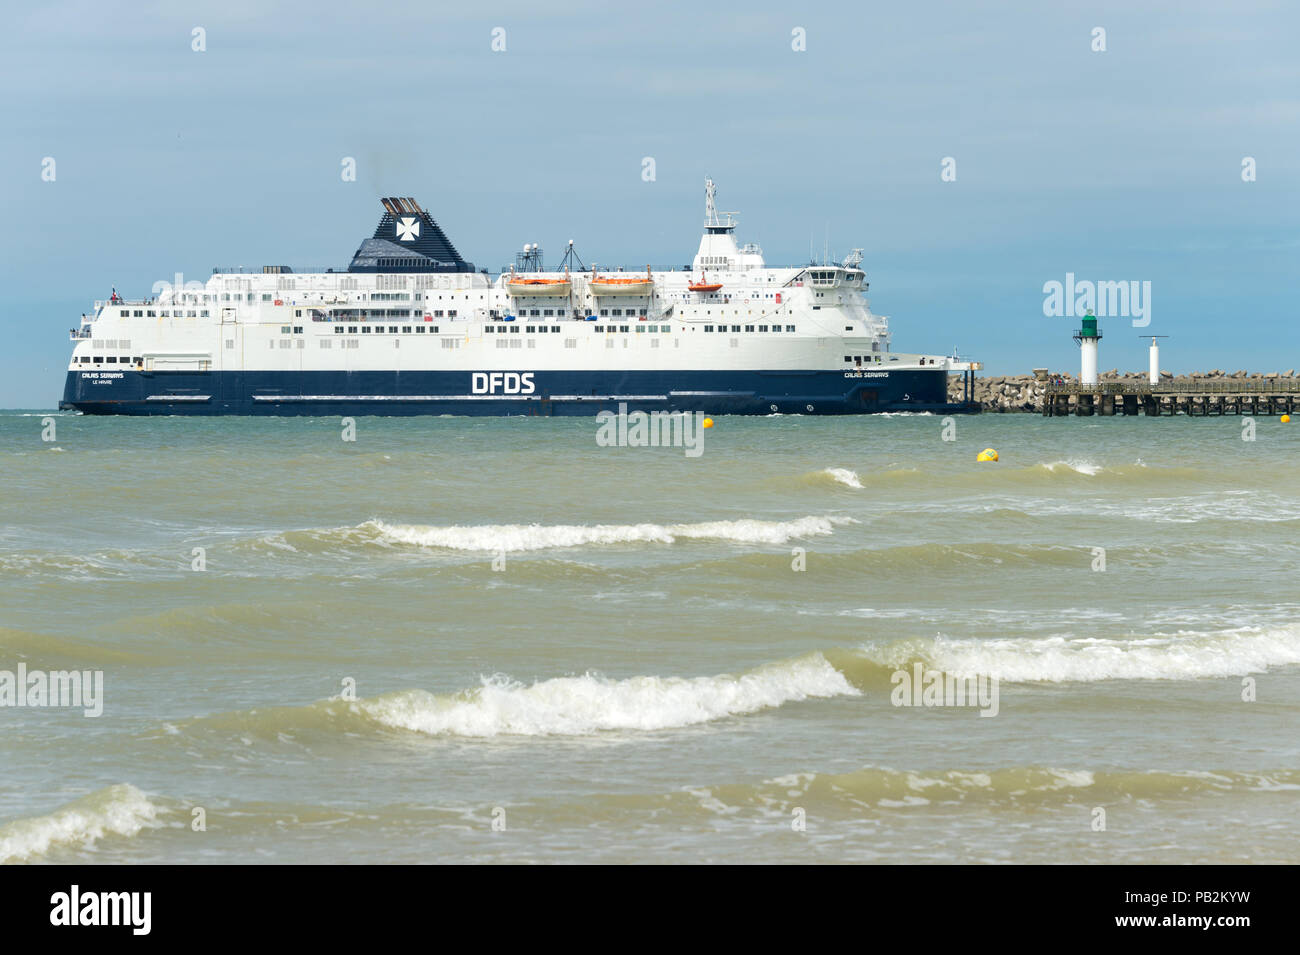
(608, 651)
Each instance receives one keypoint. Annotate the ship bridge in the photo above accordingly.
(718, 250)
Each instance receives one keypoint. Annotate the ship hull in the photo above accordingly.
(540, 393)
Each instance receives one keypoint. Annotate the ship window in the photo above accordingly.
(111, 360)
(762, 328)
(392, 329)
(618, 311)
(623, 328)
(99, 359)
(284, 329)
(535, 312)
(139, 313)
(548, 311)
(514, 329)
(555, 329)
(266, 297)
(735, 328)
(451, 313)
(599, 328)
(789, 328)
(352, 329)
(407, 329)
(365, 329)
(708, 328)
(151, 314)
(297, 330)
(848, 358)
(434, 329)
(419, 329)
(604, 313)
(665, 328)
(749, 328)
(338, 329)
(531, 329)
(640, 329)
(297, 313)
(138, 360)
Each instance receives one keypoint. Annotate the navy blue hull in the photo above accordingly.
(105, 390)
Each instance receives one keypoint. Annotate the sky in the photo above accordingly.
(827, 126)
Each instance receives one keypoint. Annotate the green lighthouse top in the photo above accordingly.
(1089, 329)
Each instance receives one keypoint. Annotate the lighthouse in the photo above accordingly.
(1153, 369)
(1088, 336)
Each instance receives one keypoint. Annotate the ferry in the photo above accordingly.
(412, 328)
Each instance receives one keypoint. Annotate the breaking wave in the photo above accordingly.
(842, 476)
(564, 706)
(1062, 659)
(120, 810)
(529, 537)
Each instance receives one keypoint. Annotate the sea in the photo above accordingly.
(496, 640)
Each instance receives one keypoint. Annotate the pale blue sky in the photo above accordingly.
(1117, 165)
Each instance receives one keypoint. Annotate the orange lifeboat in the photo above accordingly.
(528, 286)
(704, 286)
(622, 285)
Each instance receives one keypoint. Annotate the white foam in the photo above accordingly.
(589, 704)
(1075, 465)
(844, 476)
(1179, 656)
(526, 537)
(118, 810)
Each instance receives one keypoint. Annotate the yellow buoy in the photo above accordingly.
(708, 422)
(988, 454)
(1286, 419)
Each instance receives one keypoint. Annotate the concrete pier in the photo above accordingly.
(1196, 399)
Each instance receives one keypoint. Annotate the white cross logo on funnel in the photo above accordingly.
(408, 229)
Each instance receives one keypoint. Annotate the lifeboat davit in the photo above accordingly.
(521, 286)
(622, 285)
